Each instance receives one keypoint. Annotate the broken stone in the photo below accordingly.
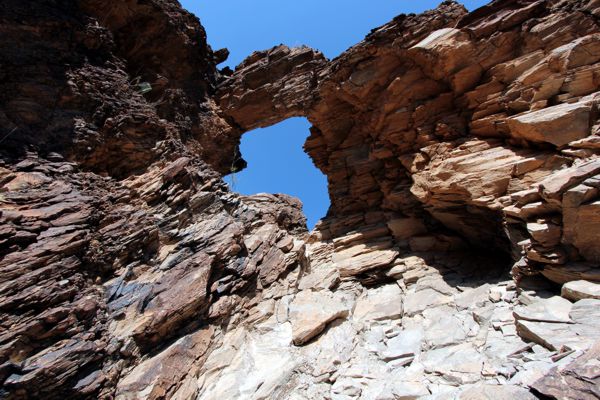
(459, 364)
(473, 298)
(558, 125)
(381, 303)
(577, 380)
(310, 312)
(362, 258)
(556, 336)
(577, 290)
(496, 392)
(417, 302)
(408, 390)
(546, 234)
(554, 309)
(406, 344)
(571, 272)
(444, 326)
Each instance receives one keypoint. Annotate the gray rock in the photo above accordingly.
(473, 298)
(554, 309)
(555, 336)
(437, 283)
(444, 326)
(460, 364)
(577, 290)
(496, 392)
(406, 344)
(586, 312)
(310, 312)
(384, 302)
(409, 390)
(417, 302)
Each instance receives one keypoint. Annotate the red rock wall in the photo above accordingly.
(454, 129)
(116, 232)
(122, 252)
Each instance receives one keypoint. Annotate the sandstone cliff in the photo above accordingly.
(461, 151)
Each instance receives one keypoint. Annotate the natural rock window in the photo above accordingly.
(455, 146)
(278, 164)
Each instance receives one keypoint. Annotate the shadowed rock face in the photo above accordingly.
(112, 85)
(452, 143)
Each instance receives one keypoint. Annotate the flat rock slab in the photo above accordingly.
(321, 278)
(416, 303)
(310, 312)
(473, 298)
(554, 309)
(577, 290)
(384, 302)
(444, 326)
(361, 258)
(496, 392)
(461, 364)
(556, 336)
(409, 390)
(559, 182)
(586, 312)
(571, 272)
(406, 344)
(558, 125)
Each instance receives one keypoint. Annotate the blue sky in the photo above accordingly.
(276, 162)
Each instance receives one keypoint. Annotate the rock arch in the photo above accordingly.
(404, 130)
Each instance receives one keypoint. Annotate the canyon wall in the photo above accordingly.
(461, 151)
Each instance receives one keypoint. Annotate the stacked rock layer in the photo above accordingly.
(458, 147)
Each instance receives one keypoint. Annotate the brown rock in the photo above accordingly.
(584, 231)
(160, 376)
(556, 184)
(572, 272)
(364, 257)
(557, 125)
(578, 380)
(546, 234)
(439, 133)
(281, 82)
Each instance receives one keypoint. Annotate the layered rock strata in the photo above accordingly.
(457, 146)
(483, 124)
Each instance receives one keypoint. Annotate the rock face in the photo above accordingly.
(457, 146)
(482, 124)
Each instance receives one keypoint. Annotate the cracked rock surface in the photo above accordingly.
(459, 258)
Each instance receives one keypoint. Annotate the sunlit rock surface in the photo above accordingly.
(458, 148)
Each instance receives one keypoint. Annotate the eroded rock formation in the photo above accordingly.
(458, 147)
(478, 122)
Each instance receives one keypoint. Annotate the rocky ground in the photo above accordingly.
(433, 331)
(459, 257)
